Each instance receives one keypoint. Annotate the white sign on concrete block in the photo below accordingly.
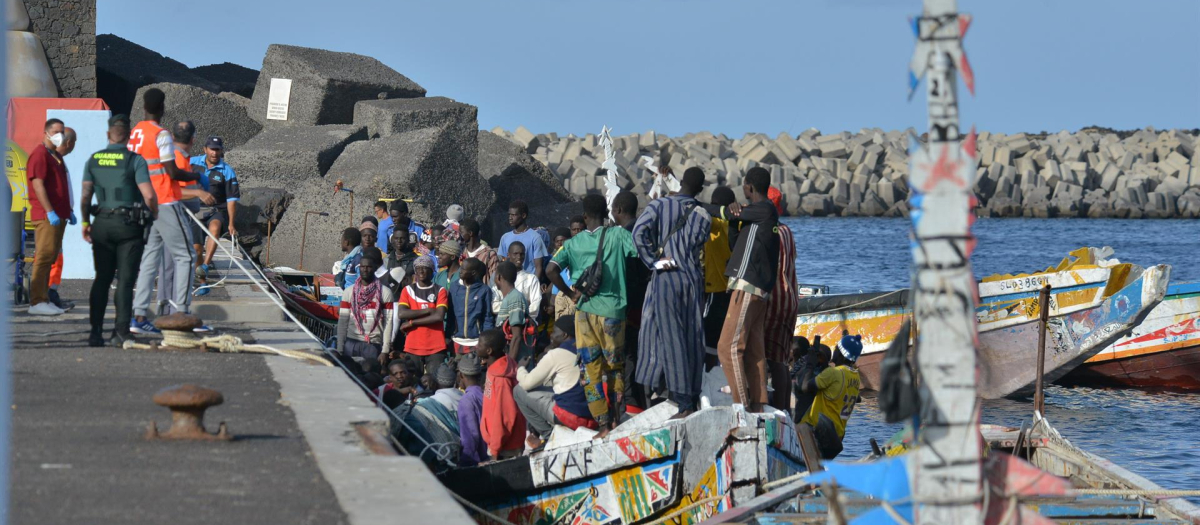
(277, 101)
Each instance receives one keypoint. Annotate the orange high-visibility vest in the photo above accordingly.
(143, 140)
(182, 162)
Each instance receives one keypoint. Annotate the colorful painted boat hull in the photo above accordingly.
(1008, 355)
(1162, 352)
(648, 467)
(1083, 321)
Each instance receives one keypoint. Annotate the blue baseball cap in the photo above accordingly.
(214, 142)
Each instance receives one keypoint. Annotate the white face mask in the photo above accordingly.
(56, 139)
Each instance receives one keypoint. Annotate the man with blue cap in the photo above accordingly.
(836, 389)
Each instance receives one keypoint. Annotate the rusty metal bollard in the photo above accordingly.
(178, 321)
(187, 404)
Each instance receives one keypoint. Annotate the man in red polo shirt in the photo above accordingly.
(50, 210)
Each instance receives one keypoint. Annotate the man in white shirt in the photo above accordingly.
(527, 283)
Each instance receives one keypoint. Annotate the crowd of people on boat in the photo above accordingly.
(484, 348)
(491, 348)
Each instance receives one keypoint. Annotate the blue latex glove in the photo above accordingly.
(72, 220)
(53, 218)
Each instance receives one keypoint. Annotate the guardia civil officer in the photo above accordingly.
(124, 209)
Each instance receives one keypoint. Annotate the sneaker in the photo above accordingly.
(202, 329)
(45, 308)
(62, 304)
(118, 339)
(202, 272)
(95, 339)
(200, 292)
(145, 327)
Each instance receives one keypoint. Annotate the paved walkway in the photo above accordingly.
(79, 415)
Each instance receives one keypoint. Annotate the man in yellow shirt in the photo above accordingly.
(836, 389)
(716, 294)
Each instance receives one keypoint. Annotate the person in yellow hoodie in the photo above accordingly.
(716, 294)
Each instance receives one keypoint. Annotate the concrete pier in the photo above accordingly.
(79, 414)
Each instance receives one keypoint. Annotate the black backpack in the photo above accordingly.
(898, 398)
(589, 282)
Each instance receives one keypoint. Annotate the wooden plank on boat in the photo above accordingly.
(763, 502)
(808, 447)
(588, 459)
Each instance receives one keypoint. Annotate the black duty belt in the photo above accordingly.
(112, 211)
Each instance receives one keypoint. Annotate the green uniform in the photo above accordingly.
(117, 240)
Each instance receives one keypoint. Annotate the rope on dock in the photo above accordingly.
(225, 343)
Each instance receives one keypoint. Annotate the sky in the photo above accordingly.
(733, 66)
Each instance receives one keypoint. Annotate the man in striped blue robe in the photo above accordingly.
(670, 236)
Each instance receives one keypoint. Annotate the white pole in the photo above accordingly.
(945, 470)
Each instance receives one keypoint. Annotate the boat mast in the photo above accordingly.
(945, 470)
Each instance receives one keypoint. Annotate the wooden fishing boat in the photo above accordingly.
(647, 468)
(1093, 303)
(1161, 352)
(1033, 477)
(309, 291)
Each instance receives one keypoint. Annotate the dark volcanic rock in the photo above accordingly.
(229, 77)
(123, 66)
(282, 156)
(326, 84)
(212, 114)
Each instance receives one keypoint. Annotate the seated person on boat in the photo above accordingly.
(550, 394)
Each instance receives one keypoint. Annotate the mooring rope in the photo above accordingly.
(277, 298)
(683, 510)
(260, 286)
(1166, 493)
(766, 487)
(224, 343)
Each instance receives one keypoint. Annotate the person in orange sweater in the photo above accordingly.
(502, 424)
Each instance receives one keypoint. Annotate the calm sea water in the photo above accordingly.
(1153, 434)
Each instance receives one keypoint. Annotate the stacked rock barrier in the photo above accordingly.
(1091, 173)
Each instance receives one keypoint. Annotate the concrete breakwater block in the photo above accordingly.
(434, 166)
(322, 243)
(513, 174)
(211, 113)
(122, 67)
(326, 84)
(848, 167)
(384, 118)
(229, 77)
(281, 156)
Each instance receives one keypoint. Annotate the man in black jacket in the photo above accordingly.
(752, 272)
